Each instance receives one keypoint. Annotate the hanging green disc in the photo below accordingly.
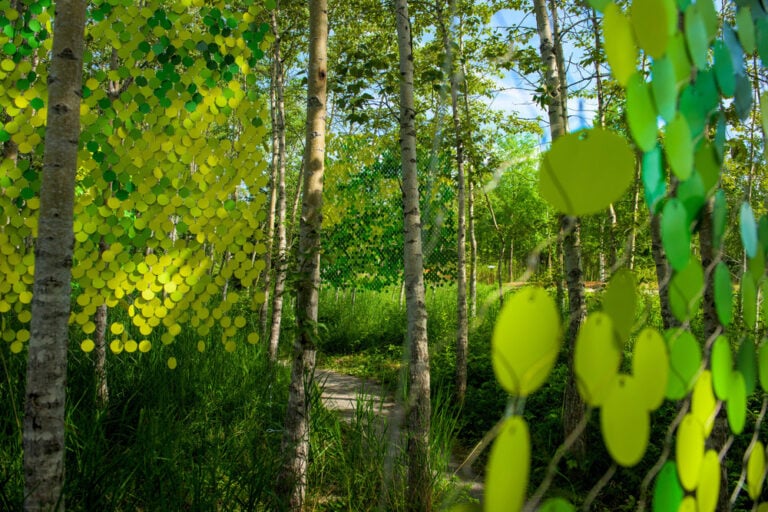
(684, 362)
(703, 402)
(557, 505)
(746, 364)
(724, 71)
(654, 179)
(689, 451)
(746, 29)
(762, 233)
(667, 491)
(742, 97)
(678, 147)
(649, 21)
(736, 406)
(626, 428)
(757, 264)
(599, 5)
(685, 290)
(696, 36)
(586, 171)
(709, 482)
(723, 294)
(692, 108)
(748, 300)
(677, 52)
(692, 194)
(620, 302)
(764, 288)
(719, 218)
(688, 505)
(762, 364)
(722, 367)
(705, 162)
(641, 114)
(676, 233)
(664, 88)
(596, 358)
(526, 341)
(506, 478)
(748, 229)
(756, 471)
(650, 367)
(619, 44)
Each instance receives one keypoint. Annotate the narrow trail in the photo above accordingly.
(341, 392)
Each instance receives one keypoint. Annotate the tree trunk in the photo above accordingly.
(460, 377)
(472, 250)
(267, 272)
(100, 347)
(632, 242)
(282, 257)
(43, 435)
(551, 55)
(292, 481)
(419, 490)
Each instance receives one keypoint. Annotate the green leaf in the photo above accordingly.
(626, 428)
(506, 480)
(709, 482)
(723, 289)
(703, 401)
(722, 367)
(705, 162)
(596, 358)
(676, 233)
(664, 88)
(746, 29)
(654, 179)
(557, 505)
(678, 55)
(586, 171)
(696, 36)
(650, 21)
(762, 364)
(748, 229)
(526, 341)
(599, 5)
(724, 72)
(692, 194)
(620, 302)
(746, 364)
(689, 451)
(684, 362)
(742, 97)
(685, 290)
(678, 147)
(667, 492)
(736, 407)
(641, 114)
(748, 300)
(619, 45)
(650, 367)
(719, 218)
(756, 470)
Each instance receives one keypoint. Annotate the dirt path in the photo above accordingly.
(340, 393)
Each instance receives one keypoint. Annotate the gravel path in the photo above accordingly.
(341, 392)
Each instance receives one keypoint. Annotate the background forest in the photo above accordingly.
(540, 226)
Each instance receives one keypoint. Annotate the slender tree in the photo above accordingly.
(293, 478)
(47, 359)
(418, 409)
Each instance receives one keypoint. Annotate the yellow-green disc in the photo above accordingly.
(649, 21)
(620, 302)
(703, 402)
(688, 505)
(625, 426)
(596, 358)
(689, 451)
(756, 470)
(526, 341)
(736, 407)
(684, 362)
(721, 361)
(709, 482)
(619, 44)
(506, 477)
(650, 367)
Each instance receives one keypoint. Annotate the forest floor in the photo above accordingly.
(341, 392)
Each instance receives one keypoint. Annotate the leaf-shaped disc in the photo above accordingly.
(620, 302)
(586, 171)
(764, 112)
(557, 505)
(764, 288)
(689, 451)
(678, 147)
(724, 72)
(526, 341)
(736, 407)
(685, 290)
(703, 402)
(691, 193)
(746, 29)
(696, 36)
(719, 218)
(748, 300)
(710, 17)
(705, 162)
(723, 294)
(676, 233)
(684, 362)
(664, 88)
(650, 367)
(667, 492)
(678, 54)
(641, 114)
(756, 470)
(762, 364)
(625, 426)
(596, 358)
(654, 179)
(748, 228)
(722, 367)
(506, 478)
(619, 45)
(649, 21)
(599, 5)
(746, 364)
(709, 482)
(688, 505)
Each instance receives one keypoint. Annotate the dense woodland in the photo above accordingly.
(202, 203)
